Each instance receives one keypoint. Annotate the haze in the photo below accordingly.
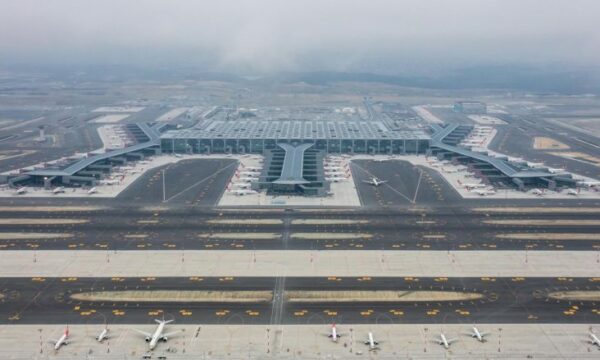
(262, 36)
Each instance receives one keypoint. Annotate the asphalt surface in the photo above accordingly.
(503, 300)
(457, 228)
(188, 182)
(406, 184)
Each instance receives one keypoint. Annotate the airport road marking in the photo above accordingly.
(414, 200)
(200, 181)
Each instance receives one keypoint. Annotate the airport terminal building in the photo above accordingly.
(258, 136)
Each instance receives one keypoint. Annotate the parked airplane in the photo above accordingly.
(250, 173)
(589, 183)
(449, 170)
(103, 335)
(58, 190)
(483, 192)
(480, 336)
(21, 190)
(334, 335)
(109, 182)
(178, 155)
(241, 185)
(92, 191)
(537, 192)
(442, 340)
(375, 182)
(573, 192)
(252, 168)
(62, 340)
(594, 339)
(336, 179)
(372, 343)
(380, 160)
(243, 192)
(471, 186)
(556, 170)
(247, 179)
(157, 335)
(335, 173)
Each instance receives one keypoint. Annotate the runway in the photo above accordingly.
(450, 229)
(498, 300)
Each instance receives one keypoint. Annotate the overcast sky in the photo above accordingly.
(290, 35)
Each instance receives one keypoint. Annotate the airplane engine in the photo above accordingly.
(147, 339)
(164, 338)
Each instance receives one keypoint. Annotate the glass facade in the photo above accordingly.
(258, 146)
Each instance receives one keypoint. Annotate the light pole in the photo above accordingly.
(163, 186)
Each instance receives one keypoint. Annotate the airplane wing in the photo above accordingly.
(143, 333)
(450, 341)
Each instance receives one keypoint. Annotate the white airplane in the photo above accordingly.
(471, 186)
(483, 192)
(250, 173)
(58, 190)
(241, 185)
(594, 339)
(123, 168)
(92, 191)
(157, 335)
(537, 192)
(247, 179)
(332, 168)
(334, 334)
(109, 182)
(480, 336)
(442, 340)
(589, 183)
(448, 170)
(375, 182)
(556, 170)
(243, 192)
(253, 168)
(103, 335)
(380, 160)
(178, 155)
(573, 192)
(336, 179)
(335, 173)
(62, 340)
(21, 190)
(372, 343)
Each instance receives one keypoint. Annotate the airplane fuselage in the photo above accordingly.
(61, 341)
